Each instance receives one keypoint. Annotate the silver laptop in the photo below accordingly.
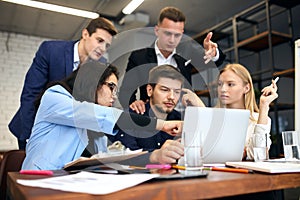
(223, 132)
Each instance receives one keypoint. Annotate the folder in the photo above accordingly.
(101, 159)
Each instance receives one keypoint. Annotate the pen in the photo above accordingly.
(178, 167)
(37, 172)
(224, 169)
(158, 166)
(187, 62)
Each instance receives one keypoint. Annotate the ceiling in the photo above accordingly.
(201, 14)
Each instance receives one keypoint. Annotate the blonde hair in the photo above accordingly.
(243, 73)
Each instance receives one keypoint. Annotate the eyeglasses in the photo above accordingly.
(113, 87)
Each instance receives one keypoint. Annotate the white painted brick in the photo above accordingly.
(13, 67)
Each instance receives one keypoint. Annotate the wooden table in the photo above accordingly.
(217, 184)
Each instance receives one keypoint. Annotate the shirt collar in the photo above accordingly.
(76, 54)
(157, 51)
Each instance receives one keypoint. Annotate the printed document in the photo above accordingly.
(91, 183)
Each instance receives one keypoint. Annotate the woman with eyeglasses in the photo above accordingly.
(67, 110)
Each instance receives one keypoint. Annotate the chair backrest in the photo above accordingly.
(11, 162)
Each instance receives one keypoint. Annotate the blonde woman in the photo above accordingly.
(235, 90)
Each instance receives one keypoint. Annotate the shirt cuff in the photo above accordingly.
(214, 59)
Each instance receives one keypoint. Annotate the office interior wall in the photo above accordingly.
(16, 54)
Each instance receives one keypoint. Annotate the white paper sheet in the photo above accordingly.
(91, 183)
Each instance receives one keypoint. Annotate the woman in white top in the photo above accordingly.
(235, 90)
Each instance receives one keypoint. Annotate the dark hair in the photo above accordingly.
(171, 13)
(164, 71)
(101, 23)
(69, 81)
(111, 69)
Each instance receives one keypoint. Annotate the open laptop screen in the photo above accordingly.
(222, 132)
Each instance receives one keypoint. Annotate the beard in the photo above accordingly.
(162, 110)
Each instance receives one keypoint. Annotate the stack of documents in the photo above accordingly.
(268, 166)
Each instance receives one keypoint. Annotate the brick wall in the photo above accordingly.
(16, 54)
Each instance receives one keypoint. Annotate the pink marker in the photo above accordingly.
(37, 172)
(158, 166)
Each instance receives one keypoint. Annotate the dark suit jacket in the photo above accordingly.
(147, 144)
(142, 61)
(53, 61)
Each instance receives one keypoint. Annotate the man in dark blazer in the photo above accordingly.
(53, 61)
(169, 31)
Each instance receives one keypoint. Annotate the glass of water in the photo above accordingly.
(260, 147)
(193, 156)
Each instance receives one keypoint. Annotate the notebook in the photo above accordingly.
(223, 132)
(268, 167)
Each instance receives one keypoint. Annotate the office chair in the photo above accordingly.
(11, 162)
